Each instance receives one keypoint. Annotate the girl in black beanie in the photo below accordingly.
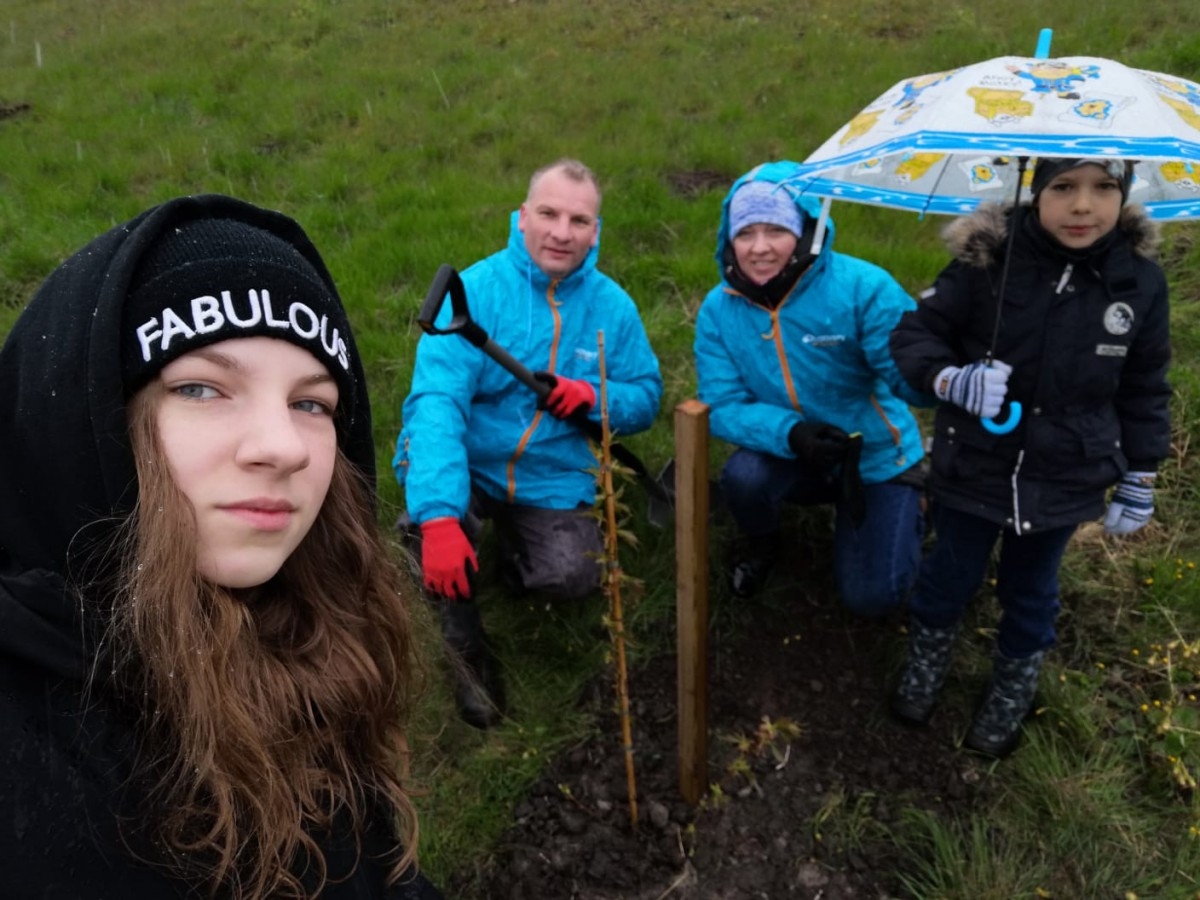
(206, 658)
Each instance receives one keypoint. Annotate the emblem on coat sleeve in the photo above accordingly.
(1118, 318)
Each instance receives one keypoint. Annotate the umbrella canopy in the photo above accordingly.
(948, 141)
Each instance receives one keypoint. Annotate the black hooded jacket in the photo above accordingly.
(68, 809)
(1087, 335)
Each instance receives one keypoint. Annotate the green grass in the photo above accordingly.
(401, 133)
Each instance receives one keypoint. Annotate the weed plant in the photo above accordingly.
(401, 134)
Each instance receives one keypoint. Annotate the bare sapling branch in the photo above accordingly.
(612, 583)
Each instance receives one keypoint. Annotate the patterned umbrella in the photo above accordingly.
(948, 141)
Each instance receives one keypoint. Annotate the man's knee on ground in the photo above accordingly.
(561, 557)
(564, 578)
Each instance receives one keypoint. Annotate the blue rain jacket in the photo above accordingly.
(821, 356)
(467, 420)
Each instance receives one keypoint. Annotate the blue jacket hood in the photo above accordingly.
(778, 172)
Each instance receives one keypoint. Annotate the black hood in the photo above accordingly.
(66, 470)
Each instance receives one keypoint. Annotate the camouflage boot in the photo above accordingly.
(1008, 702)
(924, 672)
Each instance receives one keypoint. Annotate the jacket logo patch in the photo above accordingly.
(823, 340)
(1118, 319)
(1111, 349)
(586, 355)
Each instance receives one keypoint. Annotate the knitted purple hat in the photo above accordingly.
(763, 202)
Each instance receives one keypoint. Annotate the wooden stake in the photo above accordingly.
(613, 585)
(691, 594)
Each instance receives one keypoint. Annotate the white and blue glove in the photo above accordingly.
(978, 388)
(1132, 503)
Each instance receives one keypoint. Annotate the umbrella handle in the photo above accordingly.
(1014, 417)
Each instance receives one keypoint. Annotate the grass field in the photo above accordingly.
(401, 133)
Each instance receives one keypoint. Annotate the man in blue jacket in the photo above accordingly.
(477, 445)
(792, 358)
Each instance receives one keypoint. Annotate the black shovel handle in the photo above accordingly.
(447, 281)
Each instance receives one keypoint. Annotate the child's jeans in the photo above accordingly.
(1026, 579)
(874, 564)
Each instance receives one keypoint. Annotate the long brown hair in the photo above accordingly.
(265, 714)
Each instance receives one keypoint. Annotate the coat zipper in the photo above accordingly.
(511, 468)
(1063, 281)
(1016, 495)
(1066, 277)
(784, 366)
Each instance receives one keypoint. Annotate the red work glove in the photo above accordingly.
(567, 395)
(445, 555)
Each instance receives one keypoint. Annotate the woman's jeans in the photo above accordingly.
(874, 564)
(1026, 579)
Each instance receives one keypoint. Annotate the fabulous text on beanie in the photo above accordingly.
(762, 202)
(210, 280)
(1047, 169)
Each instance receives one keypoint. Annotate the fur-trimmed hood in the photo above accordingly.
(977, 239)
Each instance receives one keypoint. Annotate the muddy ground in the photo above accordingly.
(810, 770)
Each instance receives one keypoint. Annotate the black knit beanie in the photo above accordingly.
(1047, 169)
(212, 279)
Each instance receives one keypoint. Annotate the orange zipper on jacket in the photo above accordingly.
(781, 352)
(776, 335)
(537, 418)
(892, 429)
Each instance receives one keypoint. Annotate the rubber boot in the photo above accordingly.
(1008, 702)
(478, 688)
(924, 672)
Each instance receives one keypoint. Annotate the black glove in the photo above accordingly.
(818, 445)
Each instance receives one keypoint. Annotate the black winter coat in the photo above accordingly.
(64, 778)
(1087, 334)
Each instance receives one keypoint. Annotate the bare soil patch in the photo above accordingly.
(801, 814)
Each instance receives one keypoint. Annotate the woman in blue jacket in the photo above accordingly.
(792, 358)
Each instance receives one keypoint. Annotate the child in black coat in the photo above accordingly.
(1083, 344)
